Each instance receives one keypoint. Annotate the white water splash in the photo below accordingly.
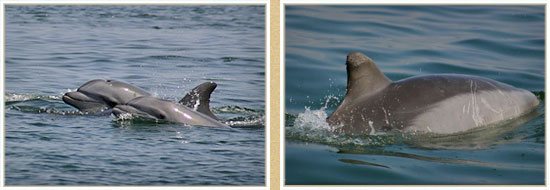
(123, 116)
(315, 119)
(25, 97)
(249, 122)
(19, 97)
(311, 125)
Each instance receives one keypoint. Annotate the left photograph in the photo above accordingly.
(134, 95)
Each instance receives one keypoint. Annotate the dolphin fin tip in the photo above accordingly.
(199, 98)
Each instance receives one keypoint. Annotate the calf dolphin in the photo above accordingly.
(154, 108)
(99, 95)
(442, 103)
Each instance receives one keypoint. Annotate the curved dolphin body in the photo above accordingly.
(443, 103)
(99, 95)
(154, 108)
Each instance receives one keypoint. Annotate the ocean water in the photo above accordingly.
(504, 43)
(166, 50)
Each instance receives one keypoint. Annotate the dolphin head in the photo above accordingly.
(97, 95)
(85, 101)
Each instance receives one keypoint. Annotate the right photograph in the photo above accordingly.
(414, 95)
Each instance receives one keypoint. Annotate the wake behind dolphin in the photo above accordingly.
(443, 103)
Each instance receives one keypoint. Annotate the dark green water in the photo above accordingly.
(504, 43)
(166, 50)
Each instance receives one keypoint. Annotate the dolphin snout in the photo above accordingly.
(83, 102)
(71, 98)
(77, 96)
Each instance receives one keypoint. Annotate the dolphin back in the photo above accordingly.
(440, 103)
(155, 108)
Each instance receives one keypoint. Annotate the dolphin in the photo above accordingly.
(440, 103)
(154, 108)
(99, 95)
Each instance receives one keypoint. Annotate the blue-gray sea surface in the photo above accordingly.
(166, 50)
(504, 43)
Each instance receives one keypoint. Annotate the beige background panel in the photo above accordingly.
(274, 85)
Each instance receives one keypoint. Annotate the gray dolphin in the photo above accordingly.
(99, 95)
(154, 108)
(442, 103)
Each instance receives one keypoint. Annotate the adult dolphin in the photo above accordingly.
(442, 103)
(99, 95)
(158, 109)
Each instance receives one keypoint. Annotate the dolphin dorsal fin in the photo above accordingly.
(364, 77)
(199, 98)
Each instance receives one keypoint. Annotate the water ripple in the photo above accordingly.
(500, 48)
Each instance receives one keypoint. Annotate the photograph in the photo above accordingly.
(139, 95)
(413, 94)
